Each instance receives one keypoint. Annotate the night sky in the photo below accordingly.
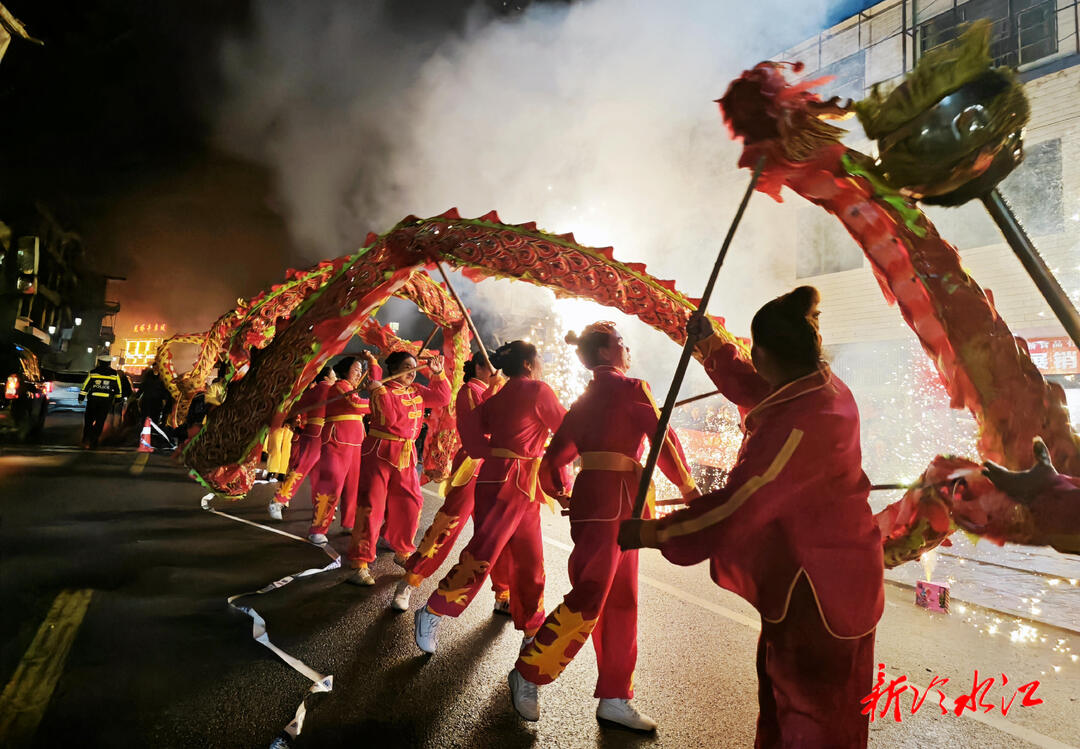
(108, 124)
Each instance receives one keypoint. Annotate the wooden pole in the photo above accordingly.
(687, 352)
(696, 398)
(465, 312)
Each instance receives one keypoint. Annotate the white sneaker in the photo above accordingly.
(402, 593)
(361, 576)
(502, 607)
(318, 539)
(525, 696)
(426, 630)
(622, 713)
(275, 510)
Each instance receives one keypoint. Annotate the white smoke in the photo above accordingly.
(595, 117)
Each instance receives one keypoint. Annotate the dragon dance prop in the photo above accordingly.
(238, 336)
(983, 366)
(268, 373)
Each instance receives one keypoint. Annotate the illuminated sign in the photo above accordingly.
(149, 327)
(139, 353)
(1054, 355)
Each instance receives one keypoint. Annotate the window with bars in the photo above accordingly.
(1022, 31)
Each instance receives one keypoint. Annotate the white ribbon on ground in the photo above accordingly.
(320, 683)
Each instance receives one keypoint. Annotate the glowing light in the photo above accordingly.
(1024, 634)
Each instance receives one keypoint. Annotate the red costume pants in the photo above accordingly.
(510, 522)
(384, 490)
(336, 475)
(305, 455)
(603, 598)
(443, 533)
(811, 684)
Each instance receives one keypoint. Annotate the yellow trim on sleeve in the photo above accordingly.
(739, 498)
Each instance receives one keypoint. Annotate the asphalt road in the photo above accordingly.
(160, 660)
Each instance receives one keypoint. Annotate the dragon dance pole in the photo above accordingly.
(1033, 263)
(687, 352)
(696, 398)
(465, 312)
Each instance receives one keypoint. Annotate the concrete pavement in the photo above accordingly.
(160, 660)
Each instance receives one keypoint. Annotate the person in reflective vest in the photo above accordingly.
(607, 428)
(338, 468)
(389, 485)
(791, 531)
(519, 419)
(101, 389)
(309, 415)
(460, 491)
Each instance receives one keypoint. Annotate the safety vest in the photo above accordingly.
(98, 385)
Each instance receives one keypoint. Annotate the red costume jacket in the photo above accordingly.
(310, 419)
(512, 425)
(397, 413)
(794, 504)
(611, 419)
(345, 416)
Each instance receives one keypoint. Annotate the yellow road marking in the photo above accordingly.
(23, 702)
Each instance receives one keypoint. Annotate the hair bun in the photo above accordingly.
(572, 338)
(802, 300)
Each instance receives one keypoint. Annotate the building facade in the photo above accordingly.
(51, 300)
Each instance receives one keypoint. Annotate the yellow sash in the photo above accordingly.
(406, 457)
(343, 417)
(605, 461)
(315, 421)
(463, 475)
(536, 494)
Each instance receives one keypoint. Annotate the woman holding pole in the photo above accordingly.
(481, 383)
(389, 485)
(338, 469)
(791, 532)
(606, 427)
(519, 418)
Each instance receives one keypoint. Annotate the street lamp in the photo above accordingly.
(52, 330)
(89, 350)
(78, 321)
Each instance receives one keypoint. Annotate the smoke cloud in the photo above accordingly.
(595, 117)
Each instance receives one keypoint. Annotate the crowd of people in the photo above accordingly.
(790, 530)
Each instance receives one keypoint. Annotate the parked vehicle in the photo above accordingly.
(64, 390)
(25, 401)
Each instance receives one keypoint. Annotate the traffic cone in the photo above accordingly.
(145, 448)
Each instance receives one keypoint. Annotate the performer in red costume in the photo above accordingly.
(1053, 498)
(606, 427)
(338, 469)
(389, 484)
(518, 419)
(309, 414)
(480, 383)
(791, 531)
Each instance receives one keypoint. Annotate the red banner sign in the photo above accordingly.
(1054, 355)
